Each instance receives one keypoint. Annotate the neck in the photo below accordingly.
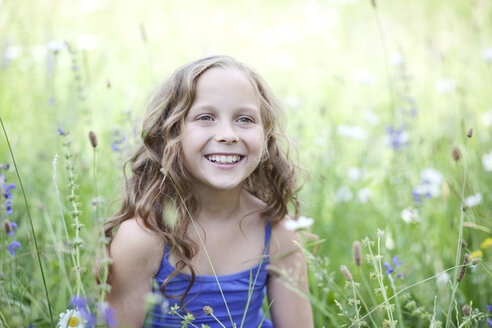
(218, 205)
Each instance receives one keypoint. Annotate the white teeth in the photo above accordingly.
(222, 159)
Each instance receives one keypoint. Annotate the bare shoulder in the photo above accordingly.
(285, 240)
(134, 244)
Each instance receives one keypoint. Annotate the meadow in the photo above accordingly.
(388, 102)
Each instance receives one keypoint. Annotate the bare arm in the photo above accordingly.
(289, 309)
(136, 255)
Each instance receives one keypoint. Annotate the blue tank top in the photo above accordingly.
(205, 291)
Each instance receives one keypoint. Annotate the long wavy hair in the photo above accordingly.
(159, 184)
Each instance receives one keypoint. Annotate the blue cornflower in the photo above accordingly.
(107, 314)
(390, 269)
(8, 207)
(78, 302)
(397, 139)
(61, 132)
(489, 308)
(81, 304)
(14, 244)
(13, 226)
(115, 146)
(489, 322)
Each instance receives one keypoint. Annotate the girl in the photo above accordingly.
(204, 207)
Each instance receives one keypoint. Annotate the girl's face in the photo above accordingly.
(223, 135)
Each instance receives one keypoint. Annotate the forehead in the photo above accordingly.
(226, 86)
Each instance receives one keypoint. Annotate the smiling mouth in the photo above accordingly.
(224, 159)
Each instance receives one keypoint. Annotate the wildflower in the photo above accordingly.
(9, 227)
(353, 132)
(487, 161)
(363, 195)
(115, 146)
(61, 132)
(343, 194)
(466, 310)
(301, 223)
(473, 200)
(389, 268)
(463, 268)
(410, 215)
(396, 59)
(445, 86)
(107, 314)
(476, 254)
(489, 308)
(93, 139)
(208, 310)
(486, 243)
(56, 46)
(396, 138)
(346, 273)
(380, 233)
(14, 244)
(357, 253)
(362, 76)
(87, 41)
(487, 54)
(370, 117)
(71, 318)
(354, 173)
(431, 185)
(442, 279)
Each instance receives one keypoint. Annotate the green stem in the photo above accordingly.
(460, 238)
(205, 250)
(30, 222)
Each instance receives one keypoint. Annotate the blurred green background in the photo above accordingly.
(373, 93)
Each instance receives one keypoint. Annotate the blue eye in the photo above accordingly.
(205, 118)
(245, 119)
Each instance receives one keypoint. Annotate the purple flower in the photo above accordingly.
(489, 308)
(107, 314)
(78, 302)
(61, 132)
(10, 187)
(13, 225)
(8, 207)
(395, 261)
(389, 268)
(14, 244)
(400, 275)
(489, 322)
(397, 139)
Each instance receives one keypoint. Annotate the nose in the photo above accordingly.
(226, 133)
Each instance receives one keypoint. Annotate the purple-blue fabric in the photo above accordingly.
(205, 291)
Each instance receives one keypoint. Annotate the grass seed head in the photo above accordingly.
(93, 139)
(463, 268)
(466, 310)
(208, 310)
(7, 226)
(357, 254)
(470, 133)
(456, 154)
(346, 273)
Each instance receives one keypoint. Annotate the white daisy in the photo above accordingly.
(71, 319)
(473, 200)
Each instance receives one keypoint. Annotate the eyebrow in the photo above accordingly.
(248, 108)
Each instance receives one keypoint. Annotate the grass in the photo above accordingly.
(345, 72)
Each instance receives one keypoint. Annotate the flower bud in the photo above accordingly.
(466, 310)
(346, 273)
(93, 139)
(357, 254)
(470, 133)
(456, 154)
(208, 310)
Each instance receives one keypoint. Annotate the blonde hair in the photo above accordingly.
(159, 179)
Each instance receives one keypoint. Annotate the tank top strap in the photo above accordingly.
(268, 234)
